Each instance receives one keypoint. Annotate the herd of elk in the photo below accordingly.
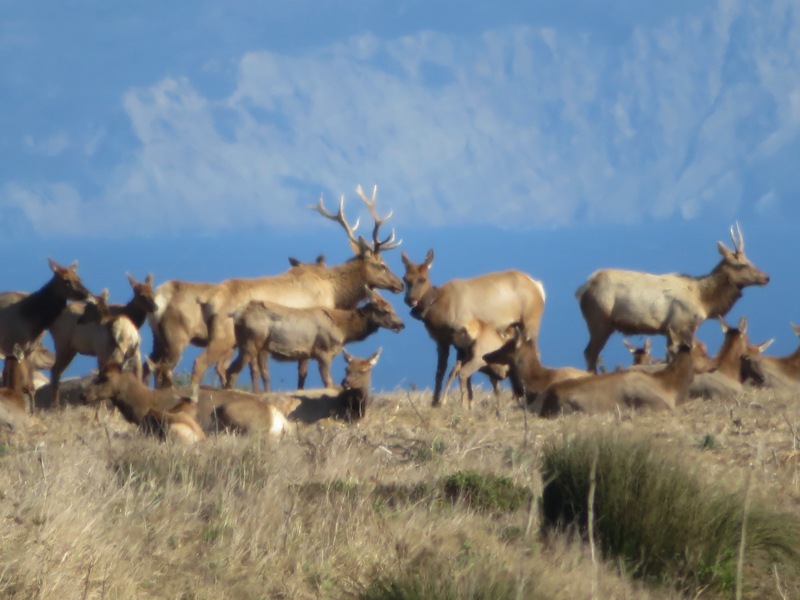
(313, 310)
(496, 299)
(634, 302)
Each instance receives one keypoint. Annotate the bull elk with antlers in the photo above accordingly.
(496, 300)
(633, 302)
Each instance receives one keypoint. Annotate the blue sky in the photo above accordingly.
(554, 137)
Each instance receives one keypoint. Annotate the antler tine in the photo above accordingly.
(338, 217)
(740, 236)
(378, 245)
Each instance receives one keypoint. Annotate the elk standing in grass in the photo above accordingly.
(201, 315)
(522, 357)
(633, 302)
(496, 300)
(106, 331)
(658, 391)
(299, 334)
(24, 317)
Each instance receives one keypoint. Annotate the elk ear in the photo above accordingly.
(150, 364)
(56, 268)
(724, 325)
(406, 261)
(763, 346)
(742, 324)
(371, 294)
(347, 356)
(795, 328)
(149, 279)
(74, 266)
(429, 258)
(631, 348)
(131, 280)
(724, 250)
(372, 360)
(19, 353)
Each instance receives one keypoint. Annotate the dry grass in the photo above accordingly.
(97, 511)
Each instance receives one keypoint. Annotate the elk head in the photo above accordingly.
(66, 282)
(18, 372)
(641, 356)
(144, 298)
(376, 272)
(417, 281)
(735, 264)
(358, 373)
(381, 312)
(105, 385)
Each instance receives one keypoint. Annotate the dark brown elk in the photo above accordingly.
(24, 317)
(633, 302)
(497, 300)
(106, 331)
(156, 412)
(655, 391)
(776, 372)
(18, 384)
(200, 315)
(522, 356)
(295, 334)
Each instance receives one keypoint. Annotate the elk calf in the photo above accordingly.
(144, 407)
(659, 391)
(292, 334)
(633, 302)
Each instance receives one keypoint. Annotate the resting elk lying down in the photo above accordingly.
(106, 331)
(633, 302)
(775, 372)
(720, 377)
(495, 299)
(641, 354)
(292, 334)
(145, 407)
(658, 391)
(522, 357)
(24, 317)
(18, 378)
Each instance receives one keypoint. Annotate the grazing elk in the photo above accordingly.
(522, 356)
(299, 334)
(495, 299)
(200, 315)
(633, 302)
(24, 317)
(18, 383)
(145, 407)
(776, 372)
(657, 391)
(106, 331)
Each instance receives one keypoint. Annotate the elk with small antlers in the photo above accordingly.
(340, 286)
(634, 302)
(496, 300)
(294, 334)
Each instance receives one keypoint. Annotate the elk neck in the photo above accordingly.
(357, 325)
(677, 375)
(42, 307)
(717, 292)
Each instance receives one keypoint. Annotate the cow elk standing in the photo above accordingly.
(633, 302)
(496, 300)
(299, 334)
(24, 317)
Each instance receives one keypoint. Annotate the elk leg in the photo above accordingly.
(325, 371)
(598, 336)
(63, 359)
(456, 370)
(442, 352)
(302, 373)
(220, 341)
(255, 373)
(263, 368)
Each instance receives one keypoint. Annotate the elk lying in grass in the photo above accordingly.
(251, 415)
(658, 391)
(720, 377)
(776, 372)
(641, 354)
(295, 334)
(24, 317)
(199, 313)
(495, 299)
(106, 331)
(144, 407)
(350, 404)
(633, 302)
(522, 356)
(18, 383)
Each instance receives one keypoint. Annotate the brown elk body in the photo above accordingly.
(106, 331)
(658, 391)
(294, 334)
(144, 407)
(633, 302)
(497, 300)
(721, 379)
(251, 415)
(776, 372)
(522, 356)
(24, 317)
(18, 383)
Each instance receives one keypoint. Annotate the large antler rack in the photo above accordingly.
(737, 239)
(378, 245)
(339, 218)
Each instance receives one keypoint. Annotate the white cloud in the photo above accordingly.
(514, 127)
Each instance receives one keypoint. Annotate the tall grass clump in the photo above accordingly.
(657, 519)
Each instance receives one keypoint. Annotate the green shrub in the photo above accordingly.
(656, 518)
